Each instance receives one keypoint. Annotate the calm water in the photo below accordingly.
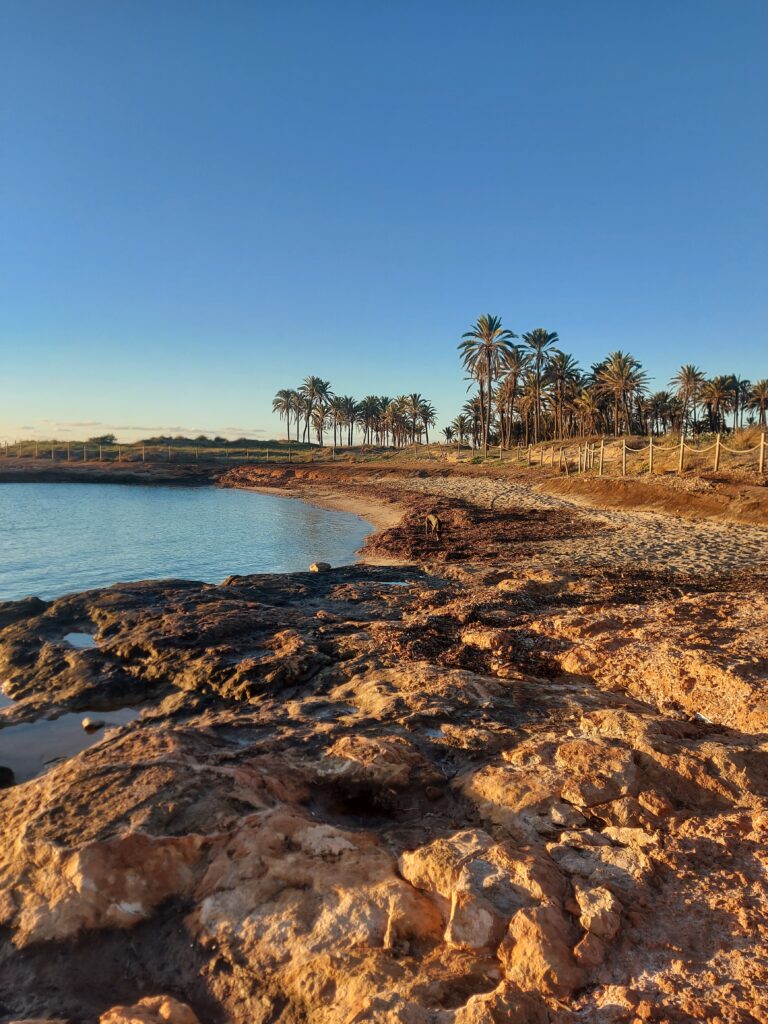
(59, 538)
(30, 748)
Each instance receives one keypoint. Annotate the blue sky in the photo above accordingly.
(203, 202)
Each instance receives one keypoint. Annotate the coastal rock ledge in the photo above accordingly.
(454, 793)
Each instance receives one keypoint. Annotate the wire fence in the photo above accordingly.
(80, 452)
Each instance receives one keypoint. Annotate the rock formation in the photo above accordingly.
(466, 791)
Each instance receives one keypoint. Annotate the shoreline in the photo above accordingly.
(380, 517)
(530, 696)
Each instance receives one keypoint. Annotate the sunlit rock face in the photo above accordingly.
(460, 801)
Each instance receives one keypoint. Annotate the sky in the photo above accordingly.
(204, 202)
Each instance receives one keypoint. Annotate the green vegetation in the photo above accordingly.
(378, 420)
(534, 391)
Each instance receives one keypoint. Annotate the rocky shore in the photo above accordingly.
(519, 774)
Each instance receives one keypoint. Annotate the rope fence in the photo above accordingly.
(598, 456)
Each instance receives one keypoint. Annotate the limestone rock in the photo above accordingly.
(92, 724)
(590, 951)
(536, 952)
(151, 1010)
(600, 911)
(356, 802)
(505, 1004)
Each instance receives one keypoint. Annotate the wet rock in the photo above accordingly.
(320, 567)
(17, 611)
(231, 581)
(7, 777)
(92, 724)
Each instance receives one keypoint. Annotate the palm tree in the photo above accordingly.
(717, 395)
(621, 378)
(315, 391)
(687, 383)
(538, 341)
(336, 413)
(412, 409)
(742, 389)
(296, 403)
(320, 420)
(586, 408)
(428, 417)
(758, 399)
(484, 349)
(474, 411)
(281, 404)
(564, 375)
(461, 426)
(348, 415)
(368, 411)
(516, 363)
(449, 433)
(659, 411)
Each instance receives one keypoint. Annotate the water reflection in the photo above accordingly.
(32, 747)
(60, 538)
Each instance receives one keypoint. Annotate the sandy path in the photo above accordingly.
(647, 539)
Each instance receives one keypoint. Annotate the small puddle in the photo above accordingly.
(327, 712)
(31, 748)
(5, 701)
(394, 583)
(82, 641)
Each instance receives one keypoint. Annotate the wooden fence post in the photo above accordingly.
(69, 452)
(602, 452)
(623, 456)
(143, 454)
(169, 453)
(681, 457)
(85, 459)
(761, 457)
(567, 471)
(100, 453)
(717, 453)
(529, 454)
(650, 454)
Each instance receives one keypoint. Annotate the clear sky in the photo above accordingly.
(202, 202)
